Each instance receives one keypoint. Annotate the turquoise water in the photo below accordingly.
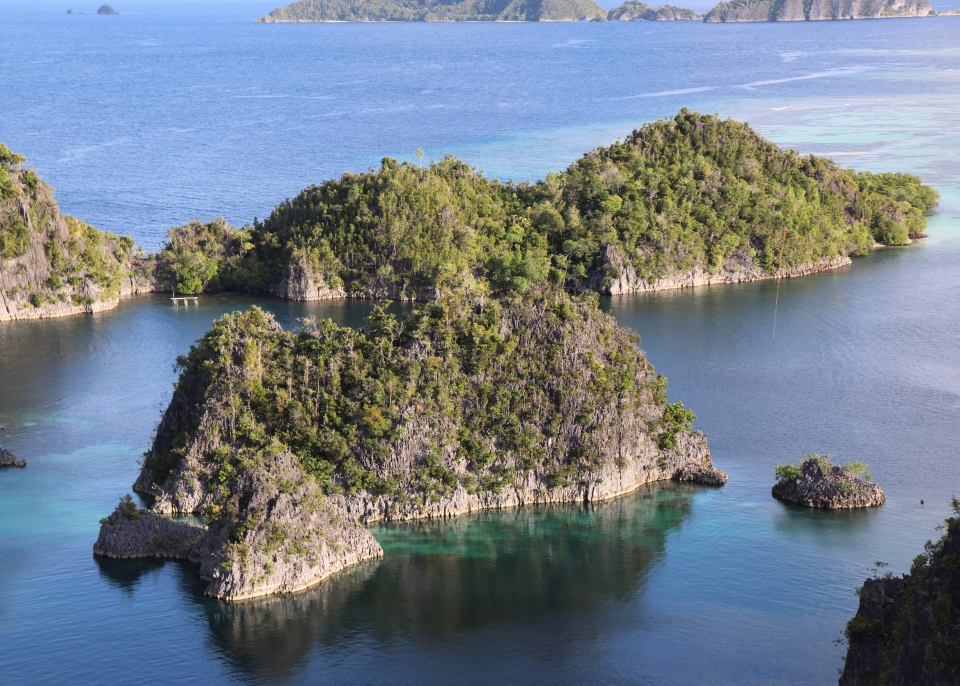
(184, 110)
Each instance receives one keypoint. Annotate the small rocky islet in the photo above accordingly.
(816, 482)
(8, 459)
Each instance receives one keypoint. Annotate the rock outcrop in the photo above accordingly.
(701, 474)
(639, 11)
(129, 533)
(821, 484)
(290, 536)
(8, 459)
(907, 629)
(815, 10)
(275, 438)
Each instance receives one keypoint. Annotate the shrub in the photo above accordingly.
(788, 472)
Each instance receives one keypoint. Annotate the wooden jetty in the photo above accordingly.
(186, 300)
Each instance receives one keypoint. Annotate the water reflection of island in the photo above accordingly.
(475, 573)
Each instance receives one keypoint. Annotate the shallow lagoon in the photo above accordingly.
(672, 584)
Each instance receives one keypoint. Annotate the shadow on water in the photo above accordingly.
(822, 525)
(468, 574)
(128, 575)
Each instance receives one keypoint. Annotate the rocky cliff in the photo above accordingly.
(907, 629)
(639, 11)
(51, 264)
(437, 10)
(814, 10)
(285, 440)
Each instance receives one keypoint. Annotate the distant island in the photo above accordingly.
(106, 9)
(437, 10)
(681, 202)
(589, 10)
(471, 10)
(816, 10)
(638, 11)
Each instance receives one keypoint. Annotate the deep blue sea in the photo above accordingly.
(180, 110)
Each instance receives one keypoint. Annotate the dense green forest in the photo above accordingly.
(472, 392)
(632, 10)
(49, 261)
(694, 192)
(438, 10)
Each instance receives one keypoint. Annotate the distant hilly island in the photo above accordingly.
(589, 10)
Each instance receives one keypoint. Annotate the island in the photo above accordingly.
(815, 482)
(106, 9)
(51, 264)
(682, 202)
(288, 442)
(907, 628)
(436, 10)
(688, 201)
(815, 10)
(632, 10)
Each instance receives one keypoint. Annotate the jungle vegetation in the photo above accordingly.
(472, 392)
(694, 192)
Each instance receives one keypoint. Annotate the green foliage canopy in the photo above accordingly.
(690, 193)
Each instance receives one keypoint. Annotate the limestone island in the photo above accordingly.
(8, 459)
(815, 482)
(816, 10)
(688, 201)
(632, 10)
(589, 10)
(288, 442)
(907, 628)
(682, 202)
(106, 9)
(437, 10)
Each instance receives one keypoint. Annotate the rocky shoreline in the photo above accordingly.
(338, 523)
(738, 268)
